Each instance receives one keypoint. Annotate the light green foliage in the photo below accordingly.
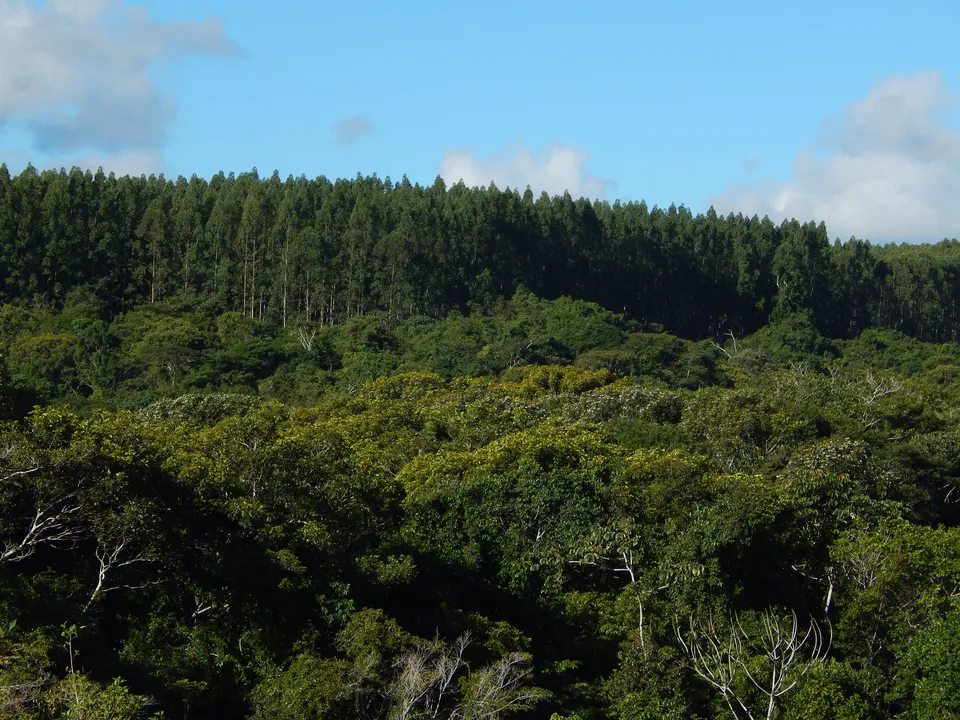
(831, 485)
(24, 673)
(310, 688)
(889, 350)
(733, 427)
(832, 691)
(200, 409)
(29, 689)
(43, 363)
(16, 320)
(790, 339)
(578, 326)
(536, 380)
(665, 358)
(649, 684)
(618, 402)
(76, 697)
(161, 347)
(450, 347)
(931, 669)
(519, 502)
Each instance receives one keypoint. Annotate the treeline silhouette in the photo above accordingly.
(322, 252)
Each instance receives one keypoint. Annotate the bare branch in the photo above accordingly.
(425, 677)
(788, 655)
(497, 690)
(306, 338)
(875, 388)
(112, 559)
(617, 556)
(19, 473)
(51, 525)
(425, 680)
(19, 696)
(713, 661)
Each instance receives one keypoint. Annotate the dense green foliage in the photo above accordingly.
(324, 252)
(436, 493)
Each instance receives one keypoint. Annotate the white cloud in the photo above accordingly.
(134, 162)
(76, 74)
(553, 170)
(352, 129)
(891, 169)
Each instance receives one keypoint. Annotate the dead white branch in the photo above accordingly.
(788, 655)
(715, 661)
(865, 567)
(619, 558)
(19, 697)
(782, 645)
(497, 690)
(306, 338)
(425, 677)
(112, 559)
(828, 580)
(874, 388)
(53, 525)
(19, 473)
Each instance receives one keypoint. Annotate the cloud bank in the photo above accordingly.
(76, 75)
(553, 170)
(887, 169)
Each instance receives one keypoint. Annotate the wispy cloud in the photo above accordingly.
(76, 75)
(352, 129)
(887, 169)
(554, 170)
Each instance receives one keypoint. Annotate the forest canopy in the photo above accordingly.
(302, 449)
(322, 251)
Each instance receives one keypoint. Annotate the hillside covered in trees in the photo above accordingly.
(312, 450)
(324, 252)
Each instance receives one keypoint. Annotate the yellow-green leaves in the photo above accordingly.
(549, 445)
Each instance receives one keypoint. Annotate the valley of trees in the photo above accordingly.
(311, 450)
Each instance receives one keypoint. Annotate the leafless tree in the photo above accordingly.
(306, 337)
(873, 388)
(498, 689)
(716, 660)
(726, 352)
(724, 659)
(429, 676)
(869, 390)
(425, 677)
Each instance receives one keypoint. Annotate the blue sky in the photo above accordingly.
(689, 102)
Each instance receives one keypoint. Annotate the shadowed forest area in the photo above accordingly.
(302, 449)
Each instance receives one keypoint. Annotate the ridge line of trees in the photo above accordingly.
(323, 252)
